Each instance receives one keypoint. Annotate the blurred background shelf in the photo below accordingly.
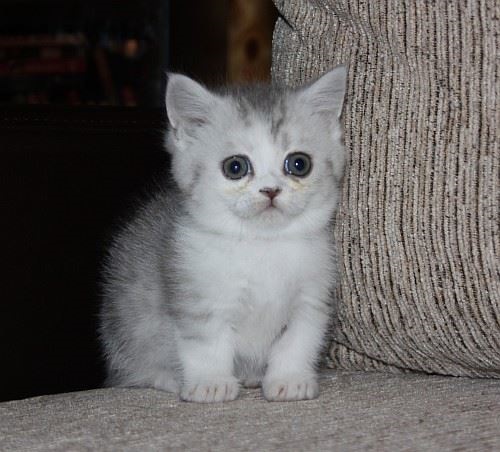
(112, 52)
(83, 52)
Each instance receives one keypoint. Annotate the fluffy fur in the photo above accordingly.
(214, 284)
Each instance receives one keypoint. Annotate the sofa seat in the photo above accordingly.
(355, 411)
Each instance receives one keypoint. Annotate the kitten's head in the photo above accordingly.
(262, 159)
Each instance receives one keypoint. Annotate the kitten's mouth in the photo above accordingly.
(271, 207)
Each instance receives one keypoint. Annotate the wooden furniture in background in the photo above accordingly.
(250, 30)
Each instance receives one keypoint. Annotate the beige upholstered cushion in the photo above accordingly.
(354, 412)
(418, 228)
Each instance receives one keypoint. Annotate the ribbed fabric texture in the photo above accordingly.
(355, 412)
(418, 228)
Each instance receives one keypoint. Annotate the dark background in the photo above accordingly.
(66, 180)
(70, 174)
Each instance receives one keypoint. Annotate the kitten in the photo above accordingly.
(226, 279)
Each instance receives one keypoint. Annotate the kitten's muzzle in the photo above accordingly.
(270, 192)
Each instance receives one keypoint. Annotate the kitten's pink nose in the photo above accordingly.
(270, 192)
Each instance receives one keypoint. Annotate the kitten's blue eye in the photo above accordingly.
(298, 164)
(236, 167)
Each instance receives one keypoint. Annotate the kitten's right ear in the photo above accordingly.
(188, 103)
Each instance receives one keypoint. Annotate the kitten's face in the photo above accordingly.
(258, 159)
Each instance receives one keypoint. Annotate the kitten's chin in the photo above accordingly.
(270, 217)
(271, 213)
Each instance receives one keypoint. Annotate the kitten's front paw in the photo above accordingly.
(297, 387)
(210, 391)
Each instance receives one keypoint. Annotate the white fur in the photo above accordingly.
(256, 287)
(254, 280)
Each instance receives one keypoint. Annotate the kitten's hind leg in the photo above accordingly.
(165, 381)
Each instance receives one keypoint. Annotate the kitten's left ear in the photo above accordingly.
(188, 103)
(326, 94)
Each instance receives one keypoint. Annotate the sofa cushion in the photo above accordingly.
(355, 411)
(418, 228)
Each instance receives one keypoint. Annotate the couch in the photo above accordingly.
(355, 411)
(414, 361)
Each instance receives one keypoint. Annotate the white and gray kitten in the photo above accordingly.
(226, 279)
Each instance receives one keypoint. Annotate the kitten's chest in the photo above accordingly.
(254, 274)
(262, 282)
(252, 285)
(266, 269)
